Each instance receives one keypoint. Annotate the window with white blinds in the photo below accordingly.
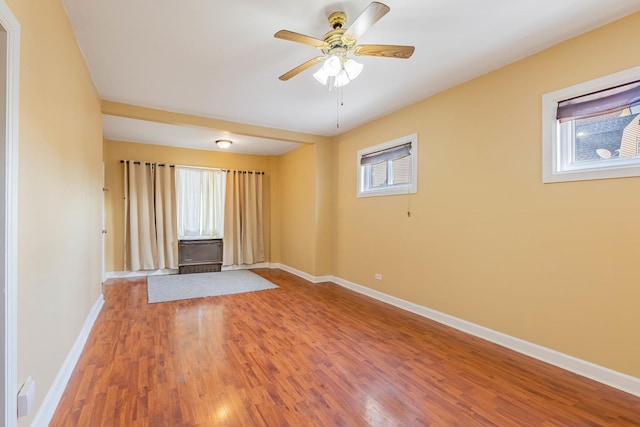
(389, 168)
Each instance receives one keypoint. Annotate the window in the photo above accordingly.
(200, 202)
(389, 168)
(592, 130)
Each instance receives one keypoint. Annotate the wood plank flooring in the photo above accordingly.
(311, 355)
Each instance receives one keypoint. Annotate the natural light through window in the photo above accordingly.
(389, 168)
(592, 130)
(200, 202)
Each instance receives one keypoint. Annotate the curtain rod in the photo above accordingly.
(220, 169)
(202, 167)
(135, 162)
(196, 167)
(250, 172)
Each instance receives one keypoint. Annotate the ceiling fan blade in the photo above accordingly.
(300, 68)
(298, 38)
(367, 18)
(386, 50)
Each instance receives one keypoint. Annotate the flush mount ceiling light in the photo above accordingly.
(224, 143)
(337, 69)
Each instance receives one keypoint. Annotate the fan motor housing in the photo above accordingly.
(337, 20)
(334, 42)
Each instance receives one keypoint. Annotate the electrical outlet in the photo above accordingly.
(378, 276)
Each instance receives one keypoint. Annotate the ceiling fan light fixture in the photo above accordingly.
(321, 76)
(332, 65)
(338, 71)
(224, 143)
(353, 68)
(342, 79)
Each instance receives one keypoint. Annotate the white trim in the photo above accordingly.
(103, 230)
(551, 161)
(624, 382)
(145, 273)
(141, 273)
(306, 276)
(51, 400)
(245, 266)
(10, 251)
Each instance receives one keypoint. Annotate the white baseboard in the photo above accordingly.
(624, 382)
(246, 266)
(51, 400)
(146, 273)
(141, 273)
(306, 276)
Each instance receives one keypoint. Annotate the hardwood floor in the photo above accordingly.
(311, 355)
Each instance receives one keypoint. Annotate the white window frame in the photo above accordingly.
(557, 163)
(409, 188)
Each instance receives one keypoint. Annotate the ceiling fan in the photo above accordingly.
(337, 69)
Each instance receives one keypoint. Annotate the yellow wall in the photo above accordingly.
(325, 214)
(59, 195)
(115, 151)
(553, 264)
(298, 209)
(274, 209)
(307, 208)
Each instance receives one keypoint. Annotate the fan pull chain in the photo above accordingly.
(339, 103)
(338, 108)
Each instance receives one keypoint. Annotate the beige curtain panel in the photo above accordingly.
(243, 236)
(151, 241)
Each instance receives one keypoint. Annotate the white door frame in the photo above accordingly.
(9, 212)
(104, 224)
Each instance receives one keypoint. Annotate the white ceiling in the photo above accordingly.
(219, 58)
